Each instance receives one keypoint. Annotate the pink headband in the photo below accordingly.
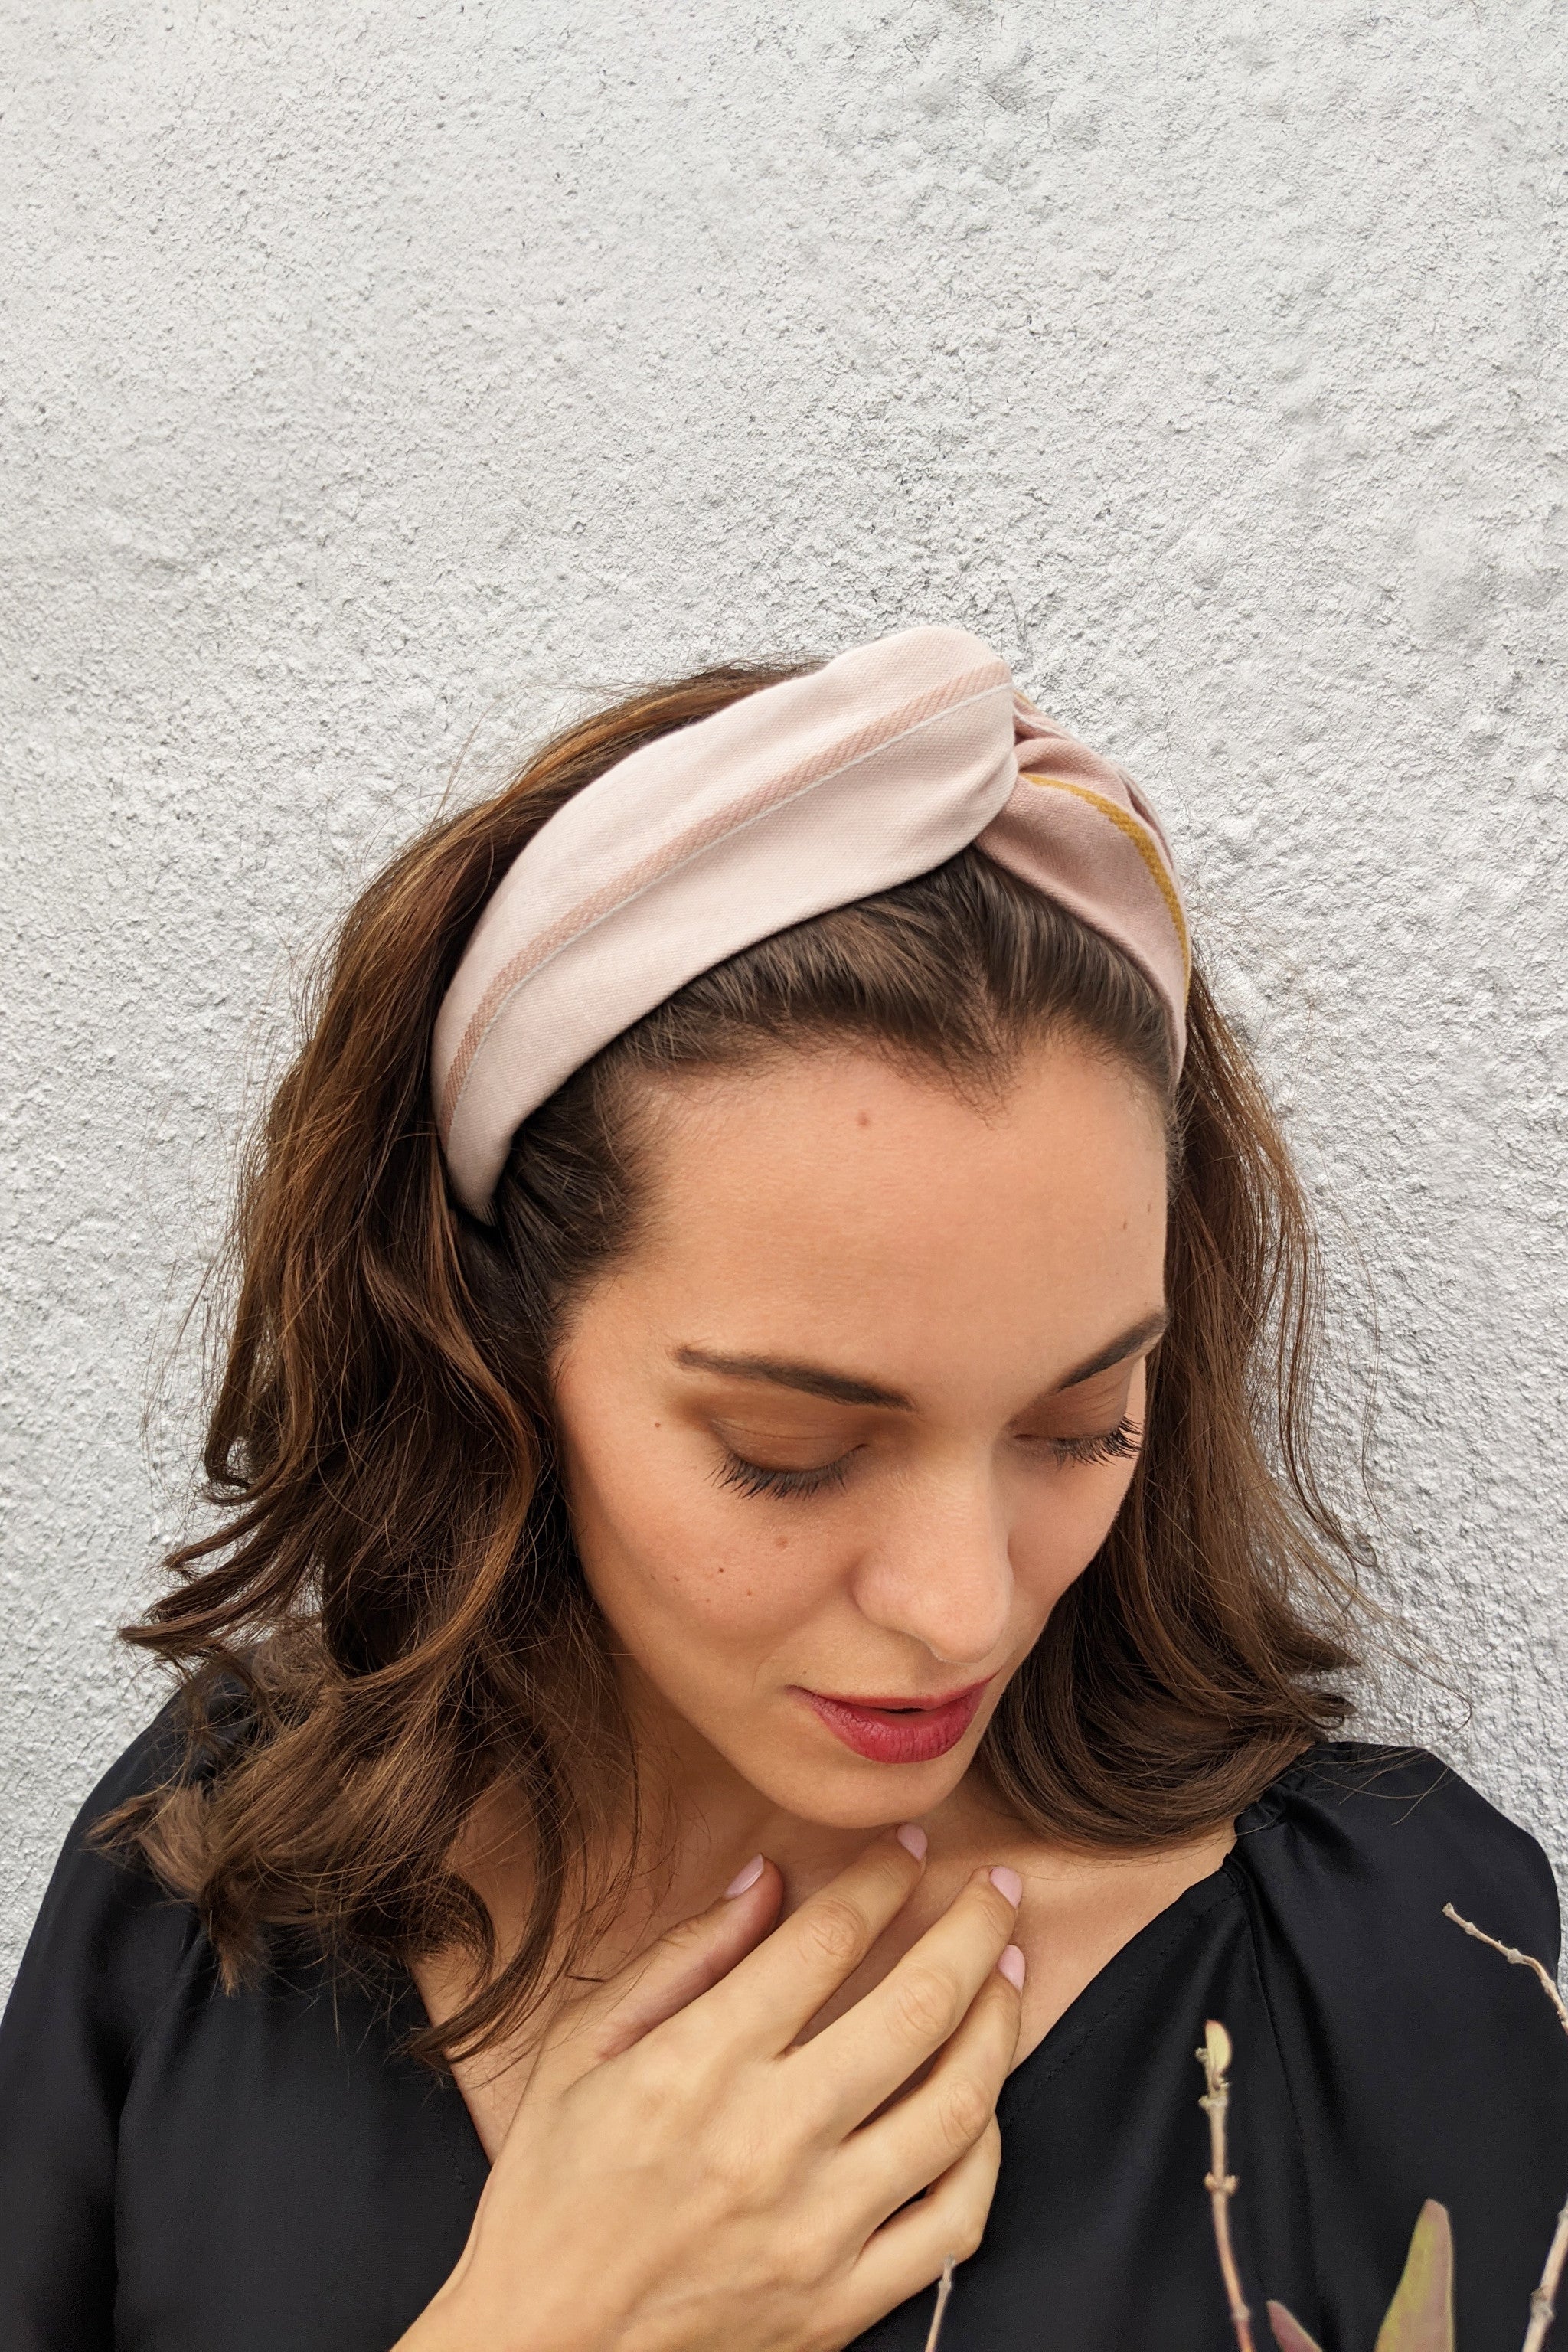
(805, 796)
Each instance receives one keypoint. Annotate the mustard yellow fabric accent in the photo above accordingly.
(1137, 834)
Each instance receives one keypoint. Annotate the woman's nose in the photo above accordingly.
(940, 1569)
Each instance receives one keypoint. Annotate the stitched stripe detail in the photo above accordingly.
(660, 863)
(1142, 841)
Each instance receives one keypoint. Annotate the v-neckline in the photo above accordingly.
(1066, 2033)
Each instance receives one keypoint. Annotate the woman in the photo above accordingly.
(770, 1648)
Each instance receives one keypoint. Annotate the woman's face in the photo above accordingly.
(859, 1407)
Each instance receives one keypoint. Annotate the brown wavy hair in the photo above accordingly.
(390, 1621)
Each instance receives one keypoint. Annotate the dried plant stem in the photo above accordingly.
(1519, 1960)
(1544, 2302)
(943, 2289)
(1214, 2059)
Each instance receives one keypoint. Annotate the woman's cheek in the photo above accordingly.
(1057, 1540)
(671, 1546)
(1052, 1546)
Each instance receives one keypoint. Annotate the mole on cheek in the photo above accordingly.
(780, 1543)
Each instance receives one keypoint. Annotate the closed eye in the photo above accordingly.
(1122, 1443)
(756, 1479)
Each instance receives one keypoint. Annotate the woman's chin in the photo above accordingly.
(846, 1791)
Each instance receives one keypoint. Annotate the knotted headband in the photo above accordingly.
(801, 797)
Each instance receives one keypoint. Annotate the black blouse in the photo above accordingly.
(186, 2170)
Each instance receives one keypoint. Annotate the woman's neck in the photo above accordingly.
(704, 1820)
(1078, 1909)
(699, 1823)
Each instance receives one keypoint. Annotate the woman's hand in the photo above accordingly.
(681, 2178)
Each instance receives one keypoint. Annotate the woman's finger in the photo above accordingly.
(684, 1964)
(849, 2069)
(910, 2251)
(780, 1986)
(921, 2138)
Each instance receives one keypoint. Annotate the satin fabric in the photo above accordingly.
(810, 795)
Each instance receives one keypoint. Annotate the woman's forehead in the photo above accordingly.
(837, 1211)
(854, 1137)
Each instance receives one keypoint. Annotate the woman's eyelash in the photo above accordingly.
(755, 1478)
(1118, 1444)
(1122, 1444)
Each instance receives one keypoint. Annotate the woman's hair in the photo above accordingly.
(391, 1621)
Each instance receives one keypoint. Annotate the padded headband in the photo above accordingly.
(798, 798)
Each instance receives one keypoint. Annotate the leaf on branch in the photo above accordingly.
(1421, 2316)
(1289, 2333)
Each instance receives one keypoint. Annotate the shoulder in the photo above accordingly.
(1381, 1839)
(1417, 2063)
(109, 1938)
(111, 1956)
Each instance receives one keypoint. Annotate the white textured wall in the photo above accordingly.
(379, 373)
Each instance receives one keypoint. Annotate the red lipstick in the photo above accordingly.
(899, 1731)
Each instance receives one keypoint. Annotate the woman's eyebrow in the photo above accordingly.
(814, 1380)
(1140, 1335)
(839, 1388)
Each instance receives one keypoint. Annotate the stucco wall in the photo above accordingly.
(382, 376)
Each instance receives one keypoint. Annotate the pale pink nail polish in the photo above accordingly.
(747, 1877)
(1008, 1882)
(912, 1838)
(1012, 1966)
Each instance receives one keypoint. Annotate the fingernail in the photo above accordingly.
(1012, 1966)
(912, 1838)
(1008, 1882)
(747, 1877)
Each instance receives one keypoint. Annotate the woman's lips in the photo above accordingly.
(898, 1732)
